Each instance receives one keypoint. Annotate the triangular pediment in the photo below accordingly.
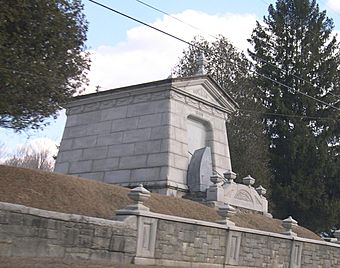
(205, 89)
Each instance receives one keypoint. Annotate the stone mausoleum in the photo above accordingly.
(169, 135)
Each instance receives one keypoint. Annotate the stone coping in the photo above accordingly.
(132, 222)
(149, 214)
(122, 92)
(64, 216)
(177, 263)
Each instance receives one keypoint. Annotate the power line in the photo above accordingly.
(175, 18)
(291, 115)
(141, 22)
(293, 89)
(202, 49)
(285, 115)
(258, 58)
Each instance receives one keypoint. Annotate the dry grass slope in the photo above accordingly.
(69, 194)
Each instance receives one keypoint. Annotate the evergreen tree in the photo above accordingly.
(42, 59)
(247, 142)
(295, 47)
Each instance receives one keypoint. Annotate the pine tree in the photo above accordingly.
(42, 59)
(230, 68)
(295, 47)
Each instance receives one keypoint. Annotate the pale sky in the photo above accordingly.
(124, 52)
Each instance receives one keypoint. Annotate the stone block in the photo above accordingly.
(220, 148)
(81, 166)
(132, 161)
(137, 135)
(95, 153)
(71, 120)
(99, 128)
(84, 142)
(180, 135)
(110, 139)
(124, 124)
(171, 145)
(117, 243)
(145, 174)
(66, 144)
(152, 107)
(177, 121)
(117, 176)
(5, 247)
(121, 150)
(161, 132)
(181, 162)
(152, 120)
(75, 132)
(88, 118)
(100, 242)
(98, 176)
(222, 162)
(147, 147)
(69, 156)
(113, 113)
(105, 164)
(177, 175)
(61, 167)
(219, 124)
(55, 251)
(166, 118)
(160, 159)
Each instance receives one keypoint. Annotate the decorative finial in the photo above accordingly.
(230, 176)
(261, 190)
(249, 180)
(226, 212)
(138, 195)
(288, 224)
(201, 62)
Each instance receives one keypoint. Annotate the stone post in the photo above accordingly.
(288, 224)
(249, 180)
(261, 190)
(337, 236)
(226, 212)
(215, 192)
(139, 195)
(229, 176)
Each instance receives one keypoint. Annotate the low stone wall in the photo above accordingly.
(29, 232)
(173, 241)
(143, 237)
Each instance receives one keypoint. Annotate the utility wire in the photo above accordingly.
(175, 18)
(214, 36)
(141, 22)
(200, 48)
(291, 115)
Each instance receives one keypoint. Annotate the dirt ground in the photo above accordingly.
(69, 194)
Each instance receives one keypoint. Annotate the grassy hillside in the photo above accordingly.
(69, 194)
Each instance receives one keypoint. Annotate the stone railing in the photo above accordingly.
(139, 236)
(226, 190)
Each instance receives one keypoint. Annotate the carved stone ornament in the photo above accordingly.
(261, 190)
(229, 176)
(244, 196)
(249, 180)
(288, 224)
(337, 236)
(225, 212)
(138, 195)
(215, 179)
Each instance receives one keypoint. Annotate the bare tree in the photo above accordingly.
(32, 157)
(3, 151)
